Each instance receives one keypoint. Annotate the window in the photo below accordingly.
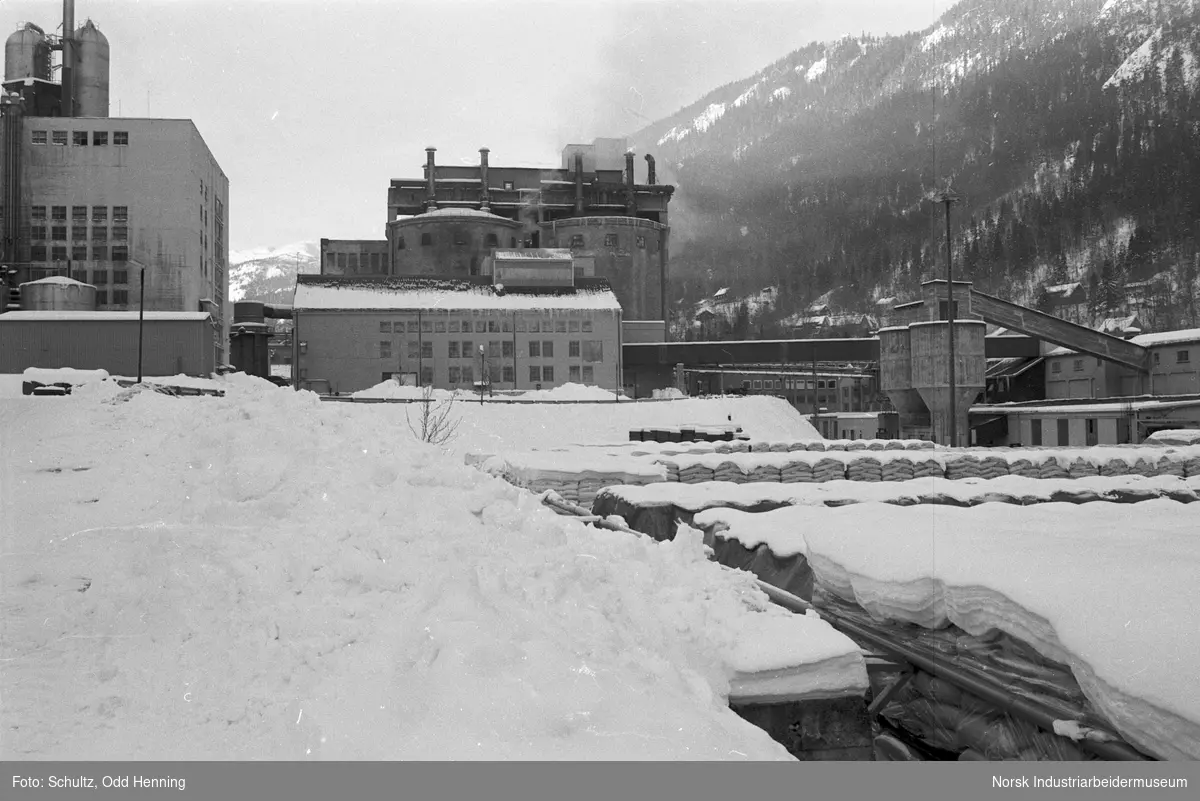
(1056, 367)
(454, 326)
(452, 349)
(573, 374)
(535, 373)
(506, 349)
(480, 326)
(427, 326)
(573, 349)
(427, 349)
(493, 350)
(79, 232)
(120, 253)
(58, 253)
(508, 185)
(99, 214)
(1077, 366)
(120, 138)
(58, 137)
(758, 382)
(611, 240)
(521, 324)
(508, 375)
(79, 253)
(385, 349)
(535, 349)
(426, 376)
(413, 348)
(58, 233)
(491, 241)
(1090, 428)
(1064, 431)
(1182, 357)
(468, 374)
(547, 374)
(99, 252)
(400, 243)
(439, 326)
(100, 277)
(593, 350)
(120, 296)
(1157, 358)
(120, 214)
(101, 297)
(589, 374)
(1035, 433)
(39, 137)
(120, 233)
(641, 243)
(745, 385)
(385, 328)
(79, 215)
(576, 240)
(779, 383)
(426, 240)
(547, 349)
(468, 349)
(37, 212)
(493, 326)
(506, 325)
(535, 326)
(99, 138)
(352, 263)
(37, 253)
(454, 374)
(58, 213)
(37, 232)
(120, 276)
(79, 138)
(821, 384)
(560, 326)
(573, 326)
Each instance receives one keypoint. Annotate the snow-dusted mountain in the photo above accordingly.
(269, 274)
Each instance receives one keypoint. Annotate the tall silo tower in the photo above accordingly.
(27, 54)
(91, 71)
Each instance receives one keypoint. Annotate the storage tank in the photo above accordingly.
(57, 293)
(27, 54)
(91, 71)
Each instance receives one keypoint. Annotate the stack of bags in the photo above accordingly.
(892, 444)
(1081, 468)
(1050, 468)
(816, 445)
(1171, 466)
(782, 447)
(723, 447)
(797, 445)
(963, 465)
(695, 474)
(739, 446)
(898, 469)
(1120, 467)
(856, 445)
(568, 490)
(796, 472)
(588, 489)
(878, 444)
(828, 469)
(927, 468)
(1023, 467)
(993, 467)
(917, 445)
(765, 472)
(865, 468)
(729, 471)
(835, 445)
(672, 467)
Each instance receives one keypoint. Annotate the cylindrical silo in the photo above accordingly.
(91, 71)
(27, 54)
(57, 293)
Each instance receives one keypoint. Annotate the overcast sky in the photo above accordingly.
(312, 107)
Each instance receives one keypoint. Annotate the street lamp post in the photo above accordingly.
(946, 198)
(141, 319)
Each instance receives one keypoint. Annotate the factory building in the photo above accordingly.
(100, 199)
(451, 220)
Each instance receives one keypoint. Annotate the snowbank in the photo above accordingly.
(1108, 589)
(392, 390)
(266, 576)
(63, 375)
(1177, 436)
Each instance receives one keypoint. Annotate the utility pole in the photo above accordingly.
(947, 197)
(141, 319)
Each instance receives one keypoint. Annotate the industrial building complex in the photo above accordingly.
(105, 200)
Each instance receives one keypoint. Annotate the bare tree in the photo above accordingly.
(435, 425)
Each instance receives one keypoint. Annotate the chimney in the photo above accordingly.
(485, 198)
(578, 184)
(430, 186)
(650, 165)
(68, 59)
(630, 201)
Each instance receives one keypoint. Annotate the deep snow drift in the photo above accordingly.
(263, 576)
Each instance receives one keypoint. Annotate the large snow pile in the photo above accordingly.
(263, 576)
(1109, 590)
(392, 389)
(1176, 436)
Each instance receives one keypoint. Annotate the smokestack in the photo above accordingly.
(68, 59)
(483, 176)
(430, 186)
(578, 184)
(650, 165)
(630, 201)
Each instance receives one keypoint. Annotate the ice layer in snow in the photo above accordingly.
(1108, 589)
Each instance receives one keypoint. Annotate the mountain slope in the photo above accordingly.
(1067, 127)
(268, 275)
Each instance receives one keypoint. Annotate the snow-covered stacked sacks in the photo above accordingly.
(927, 467)
(898, 468)
(796, 472)
(729, 470)
(864, 468)
(963, 465)
(829, 469)
(695, 474)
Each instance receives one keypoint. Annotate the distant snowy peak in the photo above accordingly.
(1141, 61)
(268, 274)
(301, 249)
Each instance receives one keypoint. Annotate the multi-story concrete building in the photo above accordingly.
(100, 198)
(531, 324)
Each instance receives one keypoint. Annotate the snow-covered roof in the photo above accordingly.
(101, 316)
(329, 293)
(1116, 406)
(1182, 337)
(453, 212)
(60, 280)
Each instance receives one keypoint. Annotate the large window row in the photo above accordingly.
(79, 214)
(589, 350)
(79, 138)
(503, 325)
(42, 253)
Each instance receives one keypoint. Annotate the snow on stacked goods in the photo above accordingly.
(1175, 436)
(1106, 590)
(350, 593)
(568, 475)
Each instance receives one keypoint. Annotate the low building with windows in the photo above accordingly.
(1174, 370)
(529, 328)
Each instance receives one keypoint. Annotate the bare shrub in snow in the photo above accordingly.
(436, 423)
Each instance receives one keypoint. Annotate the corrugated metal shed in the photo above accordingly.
(173, 343)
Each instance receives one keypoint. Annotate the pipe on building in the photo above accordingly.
(485, 198)
(650, 165)
(578, 184)
(11, 113)
(630, 200)
(430, 185)
(68, 59)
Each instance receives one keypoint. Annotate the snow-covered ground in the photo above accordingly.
(266, 576)
(1108, 589)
